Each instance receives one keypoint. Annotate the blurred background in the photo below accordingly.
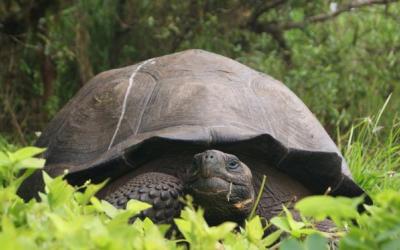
(342, 58)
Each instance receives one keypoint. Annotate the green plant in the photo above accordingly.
(48, 55)
(373, 152)
(377, 228)
(66, 218)
(70, 217)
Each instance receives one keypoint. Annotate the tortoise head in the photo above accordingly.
(222, 185)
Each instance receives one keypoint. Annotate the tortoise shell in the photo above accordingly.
(193, 97)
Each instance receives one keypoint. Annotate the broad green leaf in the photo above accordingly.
(109, 209)
(35, 163)
(272, 238)
(135, 206)
(184, 227)
(61, 225)
(98, 232)
(26, 152)
(322, 206)
(59, 192)
(316, 242)
(220, 231)
(291, 244)
(7, 225)
(147, 224)
(281, 223)
(254, 229)
(90, 191)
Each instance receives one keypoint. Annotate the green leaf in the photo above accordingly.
(90, 191)
(107, 208)
(291, 244)
(322, 206)
(22, 177)
(7, 225)
(59, 192)
(26, 152)
(5, 160)
(316, 241)
(220, 231)
(294, 225)
(281, 223)
(60, 224)
(33, 163)
(135, 206)
(272, 238)
(254, 229)
(184, 227)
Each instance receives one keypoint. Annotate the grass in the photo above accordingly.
(373, 153)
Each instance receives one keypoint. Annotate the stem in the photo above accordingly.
(258, 197)
(14, 121)
(381, 112)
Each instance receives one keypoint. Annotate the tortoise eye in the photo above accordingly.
(233, 164)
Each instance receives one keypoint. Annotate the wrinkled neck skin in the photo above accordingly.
(279, 189)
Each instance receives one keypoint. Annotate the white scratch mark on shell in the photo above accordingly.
(128, 90)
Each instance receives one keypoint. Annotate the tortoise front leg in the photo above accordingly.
(158, 189)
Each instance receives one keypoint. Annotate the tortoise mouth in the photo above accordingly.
(221, 198)
(211, 185)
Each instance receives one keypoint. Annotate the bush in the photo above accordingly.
(342, 68)
(67, 218)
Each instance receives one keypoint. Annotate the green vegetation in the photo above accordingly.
(66, 218)
(374, 159)
(342, 58)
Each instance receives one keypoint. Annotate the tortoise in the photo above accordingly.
(196, 123)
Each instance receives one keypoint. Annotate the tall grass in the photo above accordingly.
(373, 152)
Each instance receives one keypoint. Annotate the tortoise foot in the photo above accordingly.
(158, 189)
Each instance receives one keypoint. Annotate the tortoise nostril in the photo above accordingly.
(209, 155)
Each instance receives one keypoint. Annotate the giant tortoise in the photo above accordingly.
(194, 123)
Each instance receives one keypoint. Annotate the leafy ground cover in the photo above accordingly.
(67, 218)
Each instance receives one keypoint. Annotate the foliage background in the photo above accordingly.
(340, 57)
(72, 218)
